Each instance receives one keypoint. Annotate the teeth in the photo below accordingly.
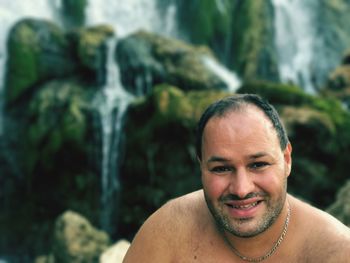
(246, 206)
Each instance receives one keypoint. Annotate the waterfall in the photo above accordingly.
(112, 103)
(10, 12)
(132, 15)
(230, 78)
(295, 41)
(126, 17)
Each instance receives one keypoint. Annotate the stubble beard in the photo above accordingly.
(233, 226)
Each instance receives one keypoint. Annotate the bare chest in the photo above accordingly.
(211, 248)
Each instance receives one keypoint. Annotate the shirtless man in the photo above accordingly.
(243, 213)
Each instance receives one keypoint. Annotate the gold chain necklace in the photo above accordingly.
(271, 251)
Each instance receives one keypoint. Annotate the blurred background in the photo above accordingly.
(99, 102)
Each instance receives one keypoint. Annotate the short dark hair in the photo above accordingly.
(235, 102)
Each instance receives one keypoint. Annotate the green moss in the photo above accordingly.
(254, 56)
(91, 43)
(23, 64)
(174, 105)
(205, 20)
(276, 93)
(58, 118)
(74, 12)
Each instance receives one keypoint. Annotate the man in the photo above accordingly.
(243, 213)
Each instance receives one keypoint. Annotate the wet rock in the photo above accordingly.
(147, 59)
(38, 51)
(76, 240)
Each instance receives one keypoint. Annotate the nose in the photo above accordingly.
(241, 183)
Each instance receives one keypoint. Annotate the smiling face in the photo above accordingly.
(244, 171)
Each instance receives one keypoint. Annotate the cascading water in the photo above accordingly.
(126, 17)
(129, 16)
(295, 41)
(111, 122)
(231, 80)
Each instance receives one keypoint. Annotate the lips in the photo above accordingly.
(248, 206)
(243, 208)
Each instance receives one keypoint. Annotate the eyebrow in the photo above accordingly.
(223, 159)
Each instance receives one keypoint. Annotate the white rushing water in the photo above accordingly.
(295, 41)
(112, 94)
(132, 15)
(230, 78)
(10, 12)
(126, 17)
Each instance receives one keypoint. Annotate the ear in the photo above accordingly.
(287, 154)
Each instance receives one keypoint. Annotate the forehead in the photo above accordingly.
(247, 123)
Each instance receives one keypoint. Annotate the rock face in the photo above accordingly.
(38, 50)
(75, 240)
(241, 33)
(341, 207)
(147, 59)
(333, 37)
(49, 106)
(338, 82)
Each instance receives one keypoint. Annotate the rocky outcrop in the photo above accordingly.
(75, 240)
(50, 107)
(338, 82)
(241, 33)
(333, 37)
(254, 53)
(38, 51)
(147, 59)
(341, 207)
(90, 49)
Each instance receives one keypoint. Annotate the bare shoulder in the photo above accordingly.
(325, 237)
(158, 238)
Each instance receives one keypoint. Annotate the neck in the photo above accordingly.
(261, 243)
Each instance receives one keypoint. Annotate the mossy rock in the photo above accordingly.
(148, 59)
(338, 84)
(76, 240)
(37, 51)
(58, 117)
(205, 21)
(254, 54)
(90, 48)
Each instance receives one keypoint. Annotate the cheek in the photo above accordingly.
(271, 183)
(214, 186)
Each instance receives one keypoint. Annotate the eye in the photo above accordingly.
(221, 169)
(258, 165)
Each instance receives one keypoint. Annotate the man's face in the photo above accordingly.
(244, 171)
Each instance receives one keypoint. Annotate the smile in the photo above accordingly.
(243, 210)
(248, 206)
